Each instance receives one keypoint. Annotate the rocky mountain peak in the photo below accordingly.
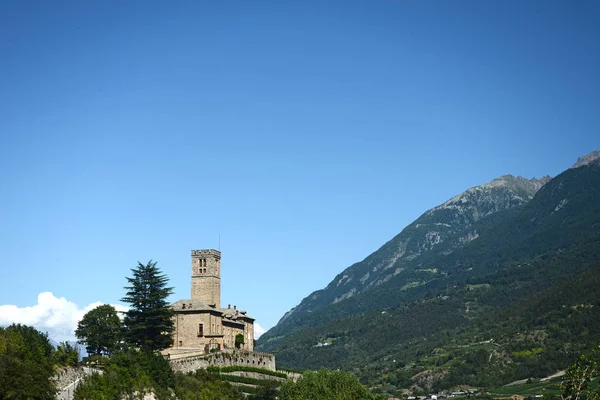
(518, 189)
(587, 159)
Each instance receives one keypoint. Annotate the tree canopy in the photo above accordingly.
(325, 385)
(100, 330)
(576, 383)
(148, 323)
(26, 363)
(66, 354)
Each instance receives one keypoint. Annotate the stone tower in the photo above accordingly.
(206, 276)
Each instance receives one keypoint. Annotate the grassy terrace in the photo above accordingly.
(527, 389)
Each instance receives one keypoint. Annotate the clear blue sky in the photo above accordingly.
(306, 134)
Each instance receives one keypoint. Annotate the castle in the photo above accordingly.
(200, 323)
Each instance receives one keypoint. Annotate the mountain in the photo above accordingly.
(491, 263)
(441, 230)
(588, 158)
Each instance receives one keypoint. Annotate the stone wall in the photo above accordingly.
(187, 328)
(293, 376)
(225, 359)
(256, 375)
(66, 376)
(189, 364)
(244, 358)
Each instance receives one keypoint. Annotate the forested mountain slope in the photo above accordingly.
(443, 229)
(520, 271)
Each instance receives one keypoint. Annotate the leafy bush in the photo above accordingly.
(325, 385)
(126, 373)
(201, 385)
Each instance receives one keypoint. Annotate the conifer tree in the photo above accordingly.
(148, 323)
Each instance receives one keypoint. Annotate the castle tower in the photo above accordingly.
(206, 276)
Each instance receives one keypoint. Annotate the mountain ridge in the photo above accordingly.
(466, 208)
(519, 246)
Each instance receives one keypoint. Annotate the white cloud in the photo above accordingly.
(258, 330)
(57, 316)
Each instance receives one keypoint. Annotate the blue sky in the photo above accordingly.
(303, 134)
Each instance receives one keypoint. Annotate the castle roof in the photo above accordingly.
(189, 306)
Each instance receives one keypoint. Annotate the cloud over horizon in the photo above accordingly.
(258, 330)
(59, 316)
(55, 315)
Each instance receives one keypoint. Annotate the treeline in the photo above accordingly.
(28, 361)
(540, 314)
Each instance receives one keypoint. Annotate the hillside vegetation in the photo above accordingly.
(488, 288)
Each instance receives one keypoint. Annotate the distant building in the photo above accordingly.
(200, 322)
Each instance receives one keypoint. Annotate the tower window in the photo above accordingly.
(200, 330)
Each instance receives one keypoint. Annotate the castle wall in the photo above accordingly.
(187, 329)
(225, 359)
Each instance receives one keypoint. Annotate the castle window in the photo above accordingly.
(200, 330)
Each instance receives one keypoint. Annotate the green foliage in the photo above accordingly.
(264, 393)
(202, 385)
(26, 364)
(576, 383)
(528, 352)
(250, 381)
(100, 329)
(234, 368)
(128, 372)
(66, 354)
(549, 388)
(239, 340)
(325, 385)
(148, 323)
(529, 282)
(131, 372)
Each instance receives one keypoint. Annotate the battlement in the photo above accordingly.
(206, 253)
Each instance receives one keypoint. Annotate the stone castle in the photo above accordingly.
(200, 323)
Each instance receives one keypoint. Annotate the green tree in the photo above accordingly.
(576, 383)
(66, 354)
(148, 323)
(325, 385)
(100, 330)
(26, 364)
(201, 385)
(127, 372)
(265, 393)
(239, 340)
